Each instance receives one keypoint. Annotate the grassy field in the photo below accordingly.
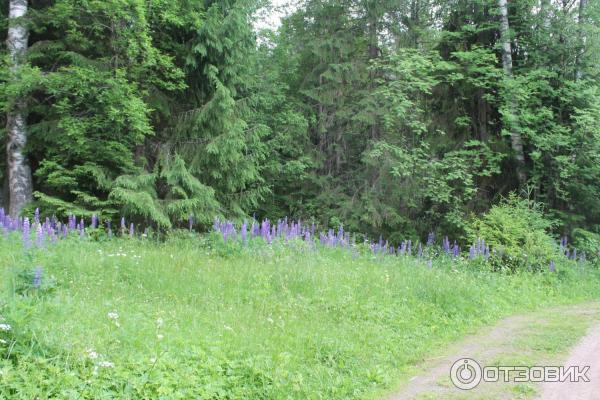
(131, 319)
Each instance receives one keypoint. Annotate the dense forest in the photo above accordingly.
(391, 117)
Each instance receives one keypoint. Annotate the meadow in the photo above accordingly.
(195, 316)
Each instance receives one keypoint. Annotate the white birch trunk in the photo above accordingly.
(582, 36)
(515, 136)
(19, 174)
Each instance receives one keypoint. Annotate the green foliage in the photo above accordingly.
(169, 195)
(131, 319)
(587, 242)
(518, 233)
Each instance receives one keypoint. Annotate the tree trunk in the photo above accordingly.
(19, 174)
(582, 38)
(515, 136)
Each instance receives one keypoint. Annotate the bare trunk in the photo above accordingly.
(19, 174)
(515, 136)
(582, 37)
(545, 11)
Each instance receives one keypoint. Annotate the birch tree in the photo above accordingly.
(510, 114)
(19, 173)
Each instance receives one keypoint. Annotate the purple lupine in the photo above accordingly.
(472, 253)
(420, 250)
(26, 238)
(431, 239)
(123, 226)
(131, 230)
(94, 221)
(36, 216)
(244, 232)
(39, 235)
(455, 250)
(574, 257)
(37, 277)
(552, 266)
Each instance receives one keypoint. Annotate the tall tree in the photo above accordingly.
(510, 113)
(19, 173)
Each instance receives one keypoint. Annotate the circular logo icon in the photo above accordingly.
(465, 373)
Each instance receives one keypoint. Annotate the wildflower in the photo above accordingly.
(552, 267)
(91, 354)
(159, 322)
(3, 342)
(106, 364)
(26, 226)
(37, 277)
(5, 327)
(160, 336)
(113, 315)
(153, 360)
(39, 236)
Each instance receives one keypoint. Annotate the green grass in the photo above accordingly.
(280, 322)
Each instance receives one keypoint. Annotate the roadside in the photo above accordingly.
(541, 338)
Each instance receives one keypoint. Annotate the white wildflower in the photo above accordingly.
(160, 337)
(5, 327)
(106, 364)
(113, 315)
(3, 342)
(153, 360)
(159, 322)
(91, 354)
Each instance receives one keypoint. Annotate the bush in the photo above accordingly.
(517, 232)
(588, 243)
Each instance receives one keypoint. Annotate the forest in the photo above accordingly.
(389, 117)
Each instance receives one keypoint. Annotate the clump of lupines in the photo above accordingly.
(284, 229)
(479, 249)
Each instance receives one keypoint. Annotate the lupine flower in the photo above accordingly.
(431, 239)
(37, 216)
(37, 277)
(39, 236)
(94, 221)
(552, 267)
(5, 327)
(131, 230)
(244, 232)
(26, 233)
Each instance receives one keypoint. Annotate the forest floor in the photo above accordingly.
(550, 337)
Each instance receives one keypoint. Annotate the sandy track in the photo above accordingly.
(493, 343)
(586, 353)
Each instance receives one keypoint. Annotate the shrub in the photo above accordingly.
(517, 231)
(587, 243)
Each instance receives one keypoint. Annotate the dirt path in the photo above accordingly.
(541, 338)
(586, 353)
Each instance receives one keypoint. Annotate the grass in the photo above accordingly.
(264, 322)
